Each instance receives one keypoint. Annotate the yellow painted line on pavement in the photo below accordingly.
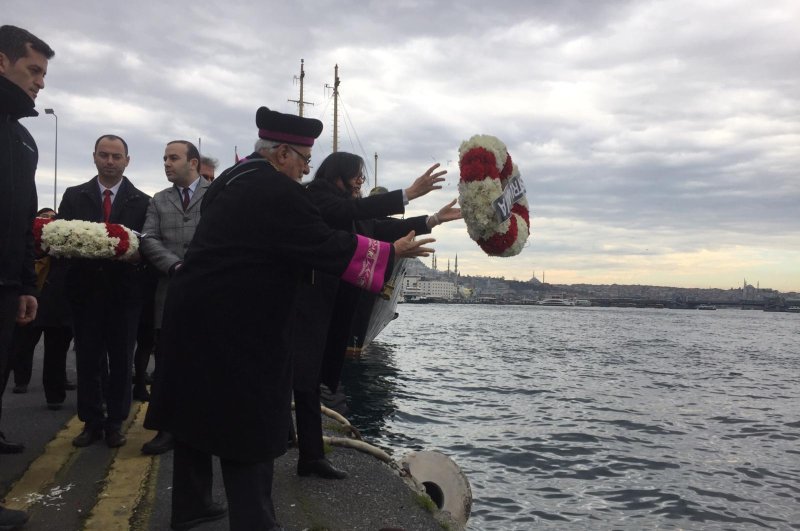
(126, 481)
(44, 468)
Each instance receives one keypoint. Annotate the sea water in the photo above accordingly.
(595, 418)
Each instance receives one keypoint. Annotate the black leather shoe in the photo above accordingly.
(162, 442)
(8, 447)
(70, 386)
(215, 511)
(55, 406)
(115, 439)
(11, 519)
(20, 389)
(320, 467)
(87, 437)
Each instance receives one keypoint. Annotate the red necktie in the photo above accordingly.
(185, 198)
(107, 205)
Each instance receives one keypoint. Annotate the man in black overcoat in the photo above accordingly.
(105, 295)
(227, 369)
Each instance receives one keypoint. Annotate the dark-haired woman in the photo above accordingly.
(317, 347)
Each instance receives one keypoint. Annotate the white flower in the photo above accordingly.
(475, 199)
(83, 239)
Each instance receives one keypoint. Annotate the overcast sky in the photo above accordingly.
(659, 141)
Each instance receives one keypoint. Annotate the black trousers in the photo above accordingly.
(309, 425)
(54, 370)
(9, 304)
(104, 327)
(146, 338)
(248, 489)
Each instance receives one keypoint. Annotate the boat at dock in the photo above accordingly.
(706, 307)
(375, 311)
(556, 301)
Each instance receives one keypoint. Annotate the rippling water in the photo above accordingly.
(595, 418)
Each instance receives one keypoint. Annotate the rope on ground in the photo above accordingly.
(361, 446)
(343, 421)
(358, 443)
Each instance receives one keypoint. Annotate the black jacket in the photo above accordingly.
(325, 307)
(18, 201)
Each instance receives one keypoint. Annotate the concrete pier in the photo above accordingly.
(66, 488)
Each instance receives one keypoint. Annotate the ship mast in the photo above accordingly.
(335, 108)
(376, 170)
(300, 103)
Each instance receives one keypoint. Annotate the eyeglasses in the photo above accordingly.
(306, 158)
(359, 178)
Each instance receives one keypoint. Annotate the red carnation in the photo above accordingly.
(507, 168)
(477, 164)
(498, 243)
(38, 225)
(118, 231)
(522, 212)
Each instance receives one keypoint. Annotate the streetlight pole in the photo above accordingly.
(55, 174)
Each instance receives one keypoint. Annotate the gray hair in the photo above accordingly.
(269, 145)
(210, 161)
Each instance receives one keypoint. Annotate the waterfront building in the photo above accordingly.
(417, 287)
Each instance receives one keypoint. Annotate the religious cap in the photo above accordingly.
(287, 128)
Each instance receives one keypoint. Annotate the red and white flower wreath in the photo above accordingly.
(84, 239)
(485, 168)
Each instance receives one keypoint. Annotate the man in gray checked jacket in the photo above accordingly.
(172, 217)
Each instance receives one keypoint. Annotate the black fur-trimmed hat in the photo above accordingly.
(287, 128)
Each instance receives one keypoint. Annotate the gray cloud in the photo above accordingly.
(648, 133)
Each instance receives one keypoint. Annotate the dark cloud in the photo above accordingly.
(647, 132)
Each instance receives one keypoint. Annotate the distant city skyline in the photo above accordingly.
(543, 277)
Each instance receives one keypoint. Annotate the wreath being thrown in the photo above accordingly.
(492, 197)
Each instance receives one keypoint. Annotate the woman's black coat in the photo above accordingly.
(325, 307)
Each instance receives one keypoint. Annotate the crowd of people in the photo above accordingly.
(244, 287)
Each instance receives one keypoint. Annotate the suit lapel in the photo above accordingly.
(119, 202)
(174, 197)
(92, 193)
(197, 196)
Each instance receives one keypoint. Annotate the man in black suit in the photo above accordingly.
(105, 295)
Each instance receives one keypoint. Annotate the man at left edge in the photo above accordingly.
(23, 67)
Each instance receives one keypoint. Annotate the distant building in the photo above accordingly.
(414, 286)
